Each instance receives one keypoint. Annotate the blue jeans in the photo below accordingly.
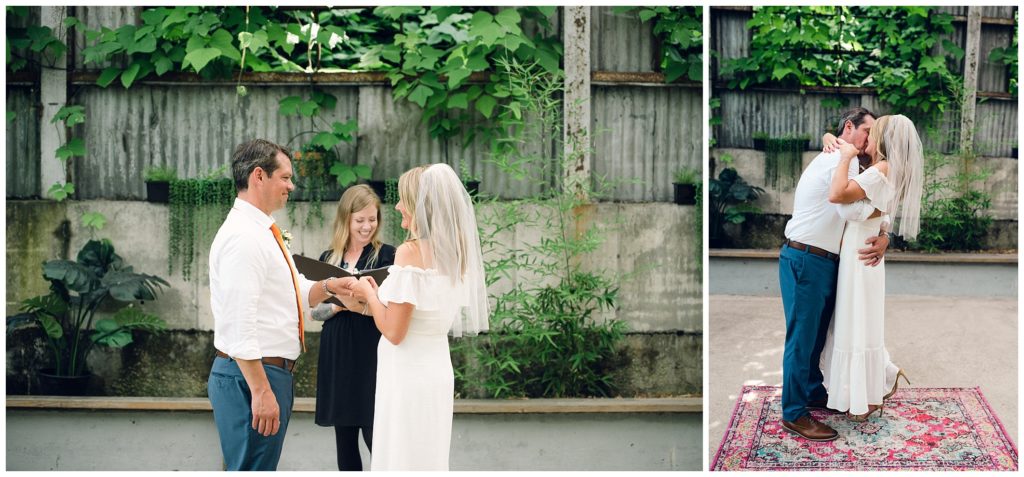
(808, 285)
(242, 446)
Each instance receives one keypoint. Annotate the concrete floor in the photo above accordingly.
(938, 341)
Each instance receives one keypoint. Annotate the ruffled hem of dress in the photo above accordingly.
(856, 379)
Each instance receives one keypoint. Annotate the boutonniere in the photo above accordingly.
(286, 237)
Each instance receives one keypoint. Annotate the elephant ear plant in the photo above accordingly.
(78, 288)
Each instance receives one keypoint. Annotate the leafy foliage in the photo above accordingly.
(549, 336)
(885, 48)
(437, 49)
(78, 288)
(731, 200)
(952, 210)
(1008, 55)
(680, 33)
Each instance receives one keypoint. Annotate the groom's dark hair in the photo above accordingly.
(856, 115)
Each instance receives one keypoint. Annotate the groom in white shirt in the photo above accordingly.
(808, 269)
(258, 301)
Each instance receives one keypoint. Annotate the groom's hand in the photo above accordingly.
(872, 255)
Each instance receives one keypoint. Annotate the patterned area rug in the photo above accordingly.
(922, 429)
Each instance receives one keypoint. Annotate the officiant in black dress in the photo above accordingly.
(347, 367)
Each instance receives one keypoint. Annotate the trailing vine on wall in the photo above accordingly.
(898, 51)
(680, 33)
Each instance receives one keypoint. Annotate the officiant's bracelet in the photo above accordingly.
(327, 290)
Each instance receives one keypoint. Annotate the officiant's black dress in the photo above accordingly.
(347, 369)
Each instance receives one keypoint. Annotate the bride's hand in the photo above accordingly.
(830, 143)
(847, 151)
(363, 288)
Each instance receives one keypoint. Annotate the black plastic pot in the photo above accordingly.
(686, 194)
(760, 144)
(473, 187)
(158, 192)
(53, 385)
(380, 188)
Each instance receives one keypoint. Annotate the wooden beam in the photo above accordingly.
(53, 94)
(576, 127)
(970, 91)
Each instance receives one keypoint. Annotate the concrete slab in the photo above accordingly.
(938, 341)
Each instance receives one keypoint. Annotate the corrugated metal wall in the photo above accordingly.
(22, 164)
(621, 42)
(642, 136)
(194, 128)
(778, 113)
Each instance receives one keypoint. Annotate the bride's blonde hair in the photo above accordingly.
(897, 142)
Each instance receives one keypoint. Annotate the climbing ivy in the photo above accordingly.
(680, 33)
(898, 51)
(437, 49)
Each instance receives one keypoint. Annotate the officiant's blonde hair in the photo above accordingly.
(354, 199)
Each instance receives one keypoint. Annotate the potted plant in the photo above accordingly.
(760, 140)
(685, 184)
(469, 180)
(78, 288)
(731, 199)
(158, 183)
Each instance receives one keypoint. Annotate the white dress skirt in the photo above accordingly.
(854, 362)
(412, 426)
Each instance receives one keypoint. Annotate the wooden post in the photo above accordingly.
(970, 92)
(53, 94)
(576, 125)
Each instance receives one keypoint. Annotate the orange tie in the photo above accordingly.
(295, 282)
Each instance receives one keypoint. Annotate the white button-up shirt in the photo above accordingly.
(251, 290)
(816, 221)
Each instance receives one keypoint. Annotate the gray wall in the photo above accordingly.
(152, 441)
(664, 297)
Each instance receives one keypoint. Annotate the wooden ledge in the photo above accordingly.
(907, 257)
(462, 406)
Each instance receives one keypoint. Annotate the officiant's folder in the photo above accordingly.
(317, 270)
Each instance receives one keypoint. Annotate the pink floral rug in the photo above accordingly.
(922, 429)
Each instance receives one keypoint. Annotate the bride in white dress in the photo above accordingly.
(435, 287)
(858, 372)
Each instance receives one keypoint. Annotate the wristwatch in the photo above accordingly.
(327, 290)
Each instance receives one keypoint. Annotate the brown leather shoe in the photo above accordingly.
(811, 429)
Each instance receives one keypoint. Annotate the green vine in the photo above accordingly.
(1008, 56)
(680, 33)
(783, 158)
(437, 49)
(197, 208)
(394, 227)
(885, 48)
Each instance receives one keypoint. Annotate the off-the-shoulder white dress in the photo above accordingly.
(412, 424)
(855, 363)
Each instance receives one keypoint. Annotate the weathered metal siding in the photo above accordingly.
(192, 128)
(621, 42)
(993, 76)
(643, 135)
(730, 37)
(997, 128)
(23, 155)
(95, 18)
(777, 113)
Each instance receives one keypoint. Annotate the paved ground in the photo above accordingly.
(938, 341)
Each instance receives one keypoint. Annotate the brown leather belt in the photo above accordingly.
(811, 249)
(283, 363)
